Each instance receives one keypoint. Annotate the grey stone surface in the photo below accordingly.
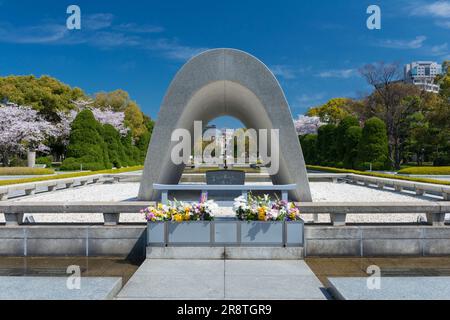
(12, 247)
(325, 232)
(387, 232)
(222, 279)
(391, 288)
(224, 82)
(202, 253)
(392, 247)
(329, 247)
(293, 280)
(436, 247)
(56, 247)
(116, 247)
(264, 253)
(55, 288)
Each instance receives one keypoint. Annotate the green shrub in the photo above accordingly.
(373, 146)
(426, 170)
(17, 161)
(309, 148)
(24, 171)
(116, 152)
(45, 160)
(86, 144)
(350, 145)
(326, 145)
(341, 135)
(442, 159)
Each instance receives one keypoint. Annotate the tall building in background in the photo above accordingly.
(423, 74)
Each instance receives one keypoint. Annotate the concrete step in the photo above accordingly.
(227, 253)
(223, 279)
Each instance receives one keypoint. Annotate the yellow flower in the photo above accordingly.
(262, 213)
(187, 216)
(178, 217)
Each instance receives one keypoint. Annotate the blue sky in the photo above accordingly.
(314, 48)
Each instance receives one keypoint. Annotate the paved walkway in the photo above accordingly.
(56, 288)
(223, 279)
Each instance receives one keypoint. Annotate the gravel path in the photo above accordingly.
(321, 192)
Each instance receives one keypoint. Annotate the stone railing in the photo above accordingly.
(57, 184)
(14, 211)
(420, 188)
(435, 211)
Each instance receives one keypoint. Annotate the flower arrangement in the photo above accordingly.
(180, 211)
(265, 209)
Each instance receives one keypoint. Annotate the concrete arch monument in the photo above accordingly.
(222, 82)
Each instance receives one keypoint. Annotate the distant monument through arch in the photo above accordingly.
(222, 82)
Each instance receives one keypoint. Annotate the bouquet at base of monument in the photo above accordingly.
(257, 208)
(180, 211)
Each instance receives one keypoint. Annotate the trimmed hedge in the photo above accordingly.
(69, 175)
(24, 171)
(375, 174)
(426, 170)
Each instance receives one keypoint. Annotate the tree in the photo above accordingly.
(309, 148)
(133, 154)
(86, 144)
(392, 101)
(333, 111)
(45, 94)
(307, 125)
(352, 138)
(341, 131)
(134, 119)
(326, 145)
(21, 129)
(373, 146)
(116, 152)
(119, 101)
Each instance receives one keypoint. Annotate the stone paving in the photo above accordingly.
(223, 279)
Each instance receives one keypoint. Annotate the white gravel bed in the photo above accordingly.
(321, 192)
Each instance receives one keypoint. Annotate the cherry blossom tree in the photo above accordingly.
(108, 116)
(307, 125)
(22, 129)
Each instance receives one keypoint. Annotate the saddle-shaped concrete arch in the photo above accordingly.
(224, 82)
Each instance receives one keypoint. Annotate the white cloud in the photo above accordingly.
(439, 50)
(135, 28)
(306, 101)
(443, 24)
(403, 44)
(283, 71)
(96, 21)
(49, 33)
(98, 30)
(343, 73)
(439, 9)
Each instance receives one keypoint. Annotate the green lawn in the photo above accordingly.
(69, 175)
(24, 171)
(375, 174)
(426, 170)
